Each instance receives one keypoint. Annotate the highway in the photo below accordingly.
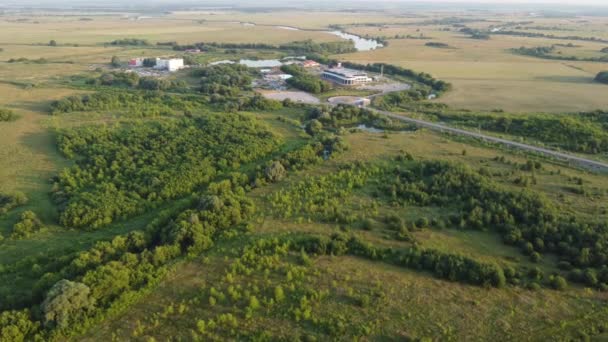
(583, 162)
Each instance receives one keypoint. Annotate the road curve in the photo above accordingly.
(587, 163)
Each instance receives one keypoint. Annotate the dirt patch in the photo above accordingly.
(296, 96)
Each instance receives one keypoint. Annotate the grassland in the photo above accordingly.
(486, 74)
(347, 293)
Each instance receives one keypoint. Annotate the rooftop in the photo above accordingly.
(346, 72)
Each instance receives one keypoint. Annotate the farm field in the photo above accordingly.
(486, 74)
(207, 203)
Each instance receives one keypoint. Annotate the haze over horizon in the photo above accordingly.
(38, 3)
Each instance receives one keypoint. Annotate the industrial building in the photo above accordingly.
(136, 62)
(344, 76)
(172, 64)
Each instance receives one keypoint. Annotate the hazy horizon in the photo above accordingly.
(288, 3)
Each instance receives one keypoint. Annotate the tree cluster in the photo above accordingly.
(525, 218)
(123, 170)
(27, 225)
(224, 79)
(130, 42)
(304, 81)
(131, 103)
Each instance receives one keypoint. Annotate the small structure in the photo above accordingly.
(193, 51)
(310, 64)
(172, 64)
(350, 100)
(136, 62)
(344, 76)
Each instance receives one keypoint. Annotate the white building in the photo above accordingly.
(345, 76)
(172, 64)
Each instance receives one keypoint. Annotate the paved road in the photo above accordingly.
(587, 163)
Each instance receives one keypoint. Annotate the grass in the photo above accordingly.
(486, 75)
(106, 29)
(28, 155)
(410, 304)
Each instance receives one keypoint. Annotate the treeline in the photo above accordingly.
(133, 80)
(438, 86)
(584, 132)
(304, 46)
(130, 42)
(550, 36)
(310, 46)
(7, 115)
(125, 170)
(36, 61)
(446, 266)
(339, 116)
(545, 52)
(304, 81)
(475, 33)
(412, 99)
(133, 103)
(525, 219)
(437, 45)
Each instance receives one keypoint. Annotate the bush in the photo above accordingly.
(275, 172)
(28, 224)
(7, 115)
(558, 282)
(10, 201)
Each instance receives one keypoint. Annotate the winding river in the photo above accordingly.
(361, 44)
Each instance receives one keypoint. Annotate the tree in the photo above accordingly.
(115, 61)
(17, 326)
(254, 303)
(65, 303)
(275, 172)
(279, 294)
(602, 77)
(558, 283)
(314, 126)
(52, 42)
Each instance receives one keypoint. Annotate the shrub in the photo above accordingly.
(27, 225)
(558, 282)
(275, 172)
(7, 115)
